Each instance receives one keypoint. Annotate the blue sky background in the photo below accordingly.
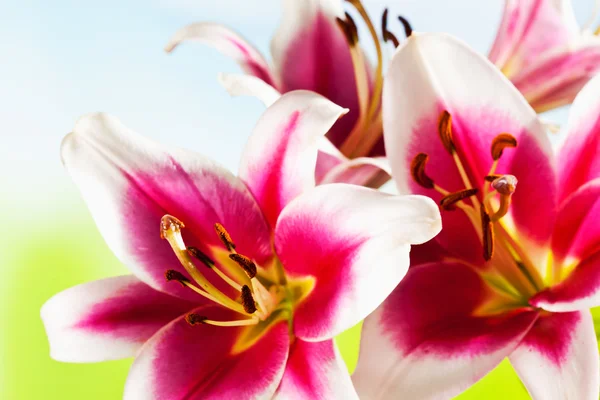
(64, 58)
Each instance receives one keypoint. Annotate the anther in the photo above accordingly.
(408, 30)
(169, 223)
(447, 202)
(445, 131)
(246, 264)
(172, 275)
(224, 236)
(417, 170)
(349, 29)
(492, 177)
(199, 255)
(195, 319)
(385, 33)
(505, 184)
(248, 300)
(488, 235)
(501, 142)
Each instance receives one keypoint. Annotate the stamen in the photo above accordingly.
(172, 275)
(417, 170)
(597, 31)
(385, 33)
(445, 131)
(349, 28)
(448, 202)
(488, 235)
(492, 177)
(171, 231)
(501, 142)
(408, 30)
(247, 300)
(195, 319)
(198, 254)
(378, 84)
(246, 264)
(224, 236)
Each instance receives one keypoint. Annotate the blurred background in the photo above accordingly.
(61, 59)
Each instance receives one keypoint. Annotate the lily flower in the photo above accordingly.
(317, 48)
(541, 48)
(239, 283)
(517, 265)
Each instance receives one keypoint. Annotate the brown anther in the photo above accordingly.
(445, 131)
(408, 30)
(349, 29)
(447, 202)
(195, 319)
(224, 236)
(247, 300)
(169, 223)
(505, 184)
(501, 142)
(488, 235)
(172, 275)
(492, 178)
(387, 35)
(246, 264)
(417, 170)
(198, 254)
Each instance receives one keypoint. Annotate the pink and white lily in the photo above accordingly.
(239, 283)
(517, 266)
(543, 51)
(316, 48)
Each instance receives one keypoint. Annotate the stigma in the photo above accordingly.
(254, 302)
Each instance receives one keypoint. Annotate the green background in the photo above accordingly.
(49, 252)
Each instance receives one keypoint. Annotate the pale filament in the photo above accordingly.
(240, 322)
(367, 129)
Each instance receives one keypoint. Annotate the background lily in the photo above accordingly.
(239, 284)
(543, 51)
(316, 48)
(516, 267)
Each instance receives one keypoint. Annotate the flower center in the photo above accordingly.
(264, 295)
(511, 271)
(368, 128)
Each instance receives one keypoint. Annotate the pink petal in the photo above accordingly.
(311, 52)
(107, 319)
(578, 158)
(130, 182)
(279, 161)
(333, 166)
(198, 362)
(483, 104)
(425, 342)
(315, 371)
(354, 243)
(577, 232)
(558, 359)
(530, 28)
(229, 43)
(248, 85)
(555, 79)
(579, 291)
